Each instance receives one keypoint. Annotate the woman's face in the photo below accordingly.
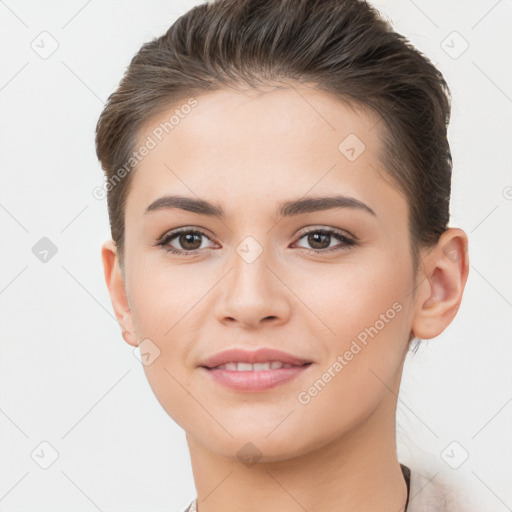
(252, 278)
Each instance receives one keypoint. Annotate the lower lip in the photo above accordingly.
(255, 381)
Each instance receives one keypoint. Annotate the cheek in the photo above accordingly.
(366, 314)
(347, 298)
(164, 298)
(166, 305)
(363, 357)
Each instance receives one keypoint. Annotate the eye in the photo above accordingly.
(320, 240)
(188, 240)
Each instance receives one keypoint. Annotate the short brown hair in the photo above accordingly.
(342, 46)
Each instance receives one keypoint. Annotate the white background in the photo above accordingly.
(66, 375)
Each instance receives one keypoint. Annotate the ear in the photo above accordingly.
(440, 291)
(116, 287)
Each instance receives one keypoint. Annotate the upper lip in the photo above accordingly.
(261, 355)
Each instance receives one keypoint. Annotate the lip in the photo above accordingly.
(261, 355)
(254, 381)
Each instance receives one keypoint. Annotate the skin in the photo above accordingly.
(236, 147)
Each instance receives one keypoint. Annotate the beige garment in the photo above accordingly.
(430, 493)
(426, 494)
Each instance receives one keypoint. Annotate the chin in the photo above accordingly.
(249, 450)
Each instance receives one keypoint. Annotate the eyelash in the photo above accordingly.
(347, 243)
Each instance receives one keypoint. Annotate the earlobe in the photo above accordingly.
(117, 291)
(442, 288)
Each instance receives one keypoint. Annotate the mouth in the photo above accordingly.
(255, 371)
(262, 359)
(242, 366)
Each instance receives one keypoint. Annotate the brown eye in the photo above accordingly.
(320, 240)
(189, 241)
(183, 241)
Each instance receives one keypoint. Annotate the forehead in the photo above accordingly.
(243, 146)
(298, 118)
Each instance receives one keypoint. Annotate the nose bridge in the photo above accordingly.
(250, 267)
(252, 292)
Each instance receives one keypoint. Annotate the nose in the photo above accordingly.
(253, 294)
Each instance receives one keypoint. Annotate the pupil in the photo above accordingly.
(188, 239)
(314, 239)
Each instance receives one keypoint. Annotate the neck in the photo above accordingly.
(357, 472)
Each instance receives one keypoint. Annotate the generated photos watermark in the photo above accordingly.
(304, 397)
(157, 135)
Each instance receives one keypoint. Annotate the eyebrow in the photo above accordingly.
(286, 209)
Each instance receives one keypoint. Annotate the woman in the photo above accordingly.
(278, 178)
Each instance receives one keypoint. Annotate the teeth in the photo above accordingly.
(244, 367)
(260, 366)
(256, 367)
